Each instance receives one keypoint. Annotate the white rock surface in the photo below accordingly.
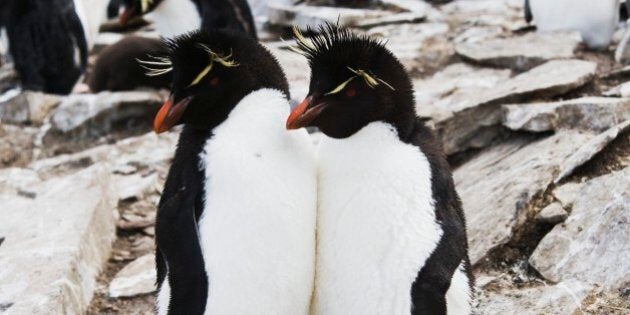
(588, 113)
(56, 243)
(593, 244)
(497, 186)
(135, 185)
(563, 298)
(137, 278)
(552, 214)
(522, 52)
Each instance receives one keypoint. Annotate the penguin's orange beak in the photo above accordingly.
(304, 114)
(170, 115)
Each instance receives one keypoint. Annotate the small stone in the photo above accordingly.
(522, 52)
(567, 193)
(137, 278)
(149, 231)
(135, 222)
(552, 214)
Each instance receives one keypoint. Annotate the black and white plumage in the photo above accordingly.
(47, 43)
(235, 229)
(175, 17)
(391, 231)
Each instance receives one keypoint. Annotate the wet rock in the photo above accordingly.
(56, 243)
(560, 299)
(590, 149)
(135, 186)
(592, 244)
(304, 15)
(589, 113)
(552, 214)
(497, 186)
(137, 278)
(28, 107)
(522, 52)
(473, 122)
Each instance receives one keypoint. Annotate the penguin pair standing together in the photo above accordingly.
(236, 224)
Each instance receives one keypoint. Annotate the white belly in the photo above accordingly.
(596, 20)
(376, 223)
(175, 17)
(258, 227)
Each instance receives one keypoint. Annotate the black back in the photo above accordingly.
(42, 39)
(117, 67)
(227, 14)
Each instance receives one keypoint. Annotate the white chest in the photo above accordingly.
(175, 17)
(257, 230)
(376, 222)
(595, 20)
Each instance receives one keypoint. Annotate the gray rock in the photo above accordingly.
(57, 243)
(135, 186)
(522, 52)
(85, 118)
(593, 243)
(304, 15)
(497, 186)
(28, 107)
(589, 113)
(552, 214)
(567, 193)
(590, 149)
(472, 122)
(399, 18)
(560, 299)
(621, 90)
(137, 278)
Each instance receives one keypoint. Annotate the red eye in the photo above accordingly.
(214, 81)
(350, 92)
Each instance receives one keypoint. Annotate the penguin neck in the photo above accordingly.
(175, 17)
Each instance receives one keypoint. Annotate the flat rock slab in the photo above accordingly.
(305, 15)
(465, 123)
(593, 244)
(560, 299)
(136, 278)
(588, 113)
(497, 186)
(56, 244)
(522, 52)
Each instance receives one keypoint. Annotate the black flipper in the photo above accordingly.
(178, 251)
(428, 293)
(528, 12)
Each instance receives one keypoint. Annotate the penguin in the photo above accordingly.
(91, 14)
(391, 233)
(235, 227)
(596, 21)
(113, 8)
(174, 17)
(117, 67)
(47, 43)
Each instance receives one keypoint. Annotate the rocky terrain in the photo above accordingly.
(536, 128)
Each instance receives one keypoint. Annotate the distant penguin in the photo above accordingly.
(91, 13)
(595, 20)
(174, 17)
(47, 43)
(113, 8)
(235, 229)
(117, 67)
(391, 233)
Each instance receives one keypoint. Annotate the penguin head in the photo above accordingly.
(212, 71)
(355, 80)
(135, 8)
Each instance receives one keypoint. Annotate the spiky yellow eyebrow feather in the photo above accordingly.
(214, 57)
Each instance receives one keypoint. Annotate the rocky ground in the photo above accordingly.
(535, 126)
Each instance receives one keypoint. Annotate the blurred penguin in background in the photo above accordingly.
(47, 43)
(91, 14)
(596, 20)
(175, 17)
(117, 67)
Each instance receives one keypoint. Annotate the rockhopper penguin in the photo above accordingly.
(391, 234)
(235, 228)
(175, 17)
